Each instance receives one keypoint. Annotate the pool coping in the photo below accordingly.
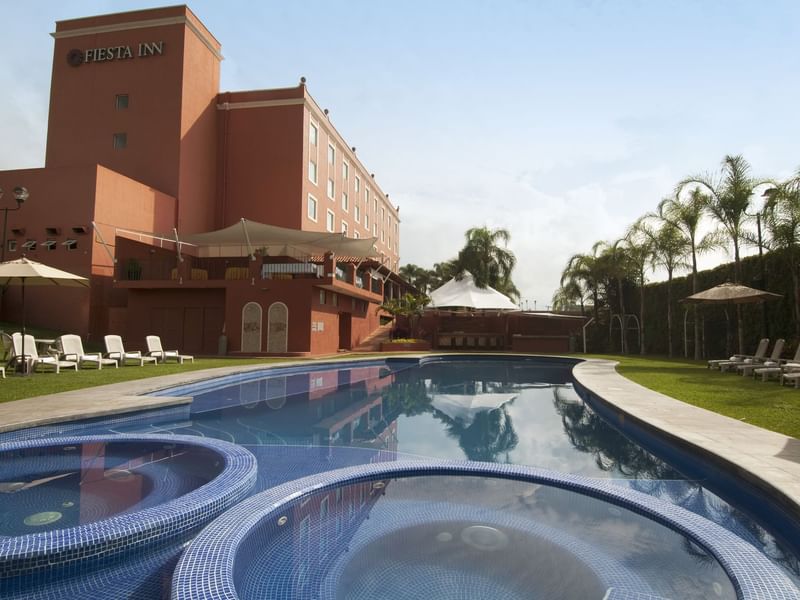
(769, 460)
(766, 459)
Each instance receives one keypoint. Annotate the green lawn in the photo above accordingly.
(15, 387)
(764, 404)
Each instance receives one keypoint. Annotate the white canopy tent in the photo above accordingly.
(464, 407)
(245, 237)
(465, 294)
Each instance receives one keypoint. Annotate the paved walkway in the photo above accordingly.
(770, 460)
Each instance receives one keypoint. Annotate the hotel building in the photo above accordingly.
(147, 164)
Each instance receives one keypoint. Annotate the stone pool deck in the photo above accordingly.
(769, 460)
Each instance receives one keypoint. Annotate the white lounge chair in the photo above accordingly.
(738, 359)
(154, 348)
(783, 366)
(71, 348)
(30, 357)
(747, 367)
(6, 351)
(115, 349)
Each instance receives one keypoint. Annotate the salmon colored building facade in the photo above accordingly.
(143, 149)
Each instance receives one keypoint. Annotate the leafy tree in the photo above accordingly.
(485, 256)
(729, 198)
(686, 215)
(409, 306)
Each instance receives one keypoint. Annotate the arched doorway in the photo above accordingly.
(251, 327)
(277, 328)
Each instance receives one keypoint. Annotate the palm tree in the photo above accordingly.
(668, 248)
(568, 295)
(782, 214)
(640, 246)
(729, 198)
(441, 273)
(490, 263)
(614, 263)
(686, 216)
(417, 276)
(584, 271)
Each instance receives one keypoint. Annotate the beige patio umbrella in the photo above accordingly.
(731, 293)
(25, 272)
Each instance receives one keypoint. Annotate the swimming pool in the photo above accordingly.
(299, 421)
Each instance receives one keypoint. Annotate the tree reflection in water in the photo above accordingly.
(489, 435)
(613, 451)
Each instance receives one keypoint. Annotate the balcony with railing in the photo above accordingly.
(166, 270)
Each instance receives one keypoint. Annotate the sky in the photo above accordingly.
(562, 122)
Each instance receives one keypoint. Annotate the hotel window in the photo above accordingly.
(383, 236)
(345, 170)
(356, 235)
(322, 296)
(335, 298)
(390, 242)
(313, 134)
(121, 101)
(12, 245)
(50, 244)
(357, 185)
(331, 154)
(120, 141)
(345, 202)
(375, 205)
(29, 245)
(366, 198)
(383, 213)
(312, 208)
(312, 172)
(330, 221)
(357, 212)
(366, 221)
(344, 228)
(374, 230)
(331, 189)
(70, 244)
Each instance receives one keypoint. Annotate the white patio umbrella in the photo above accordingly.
(25, 272)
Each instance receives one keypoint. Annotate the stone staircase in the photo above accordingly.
(372, 343)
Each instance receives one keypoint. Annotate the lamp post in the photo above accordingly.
(20, 195)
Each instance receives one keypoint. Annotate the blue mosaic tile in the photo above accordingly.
(86, 546)
(207, 570)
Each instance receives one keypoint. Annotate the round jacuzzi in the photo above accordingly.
(70, 504)
(419, 530)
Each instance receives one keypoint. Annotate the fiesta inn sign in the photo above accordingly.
(77, 57)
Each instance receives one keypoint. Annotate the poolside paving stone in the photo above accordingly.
(768, 459)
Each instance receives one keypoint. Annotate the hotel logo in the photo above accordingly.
(76, 57)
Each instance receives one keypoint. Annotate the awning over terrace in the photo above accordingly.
(246, 237)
